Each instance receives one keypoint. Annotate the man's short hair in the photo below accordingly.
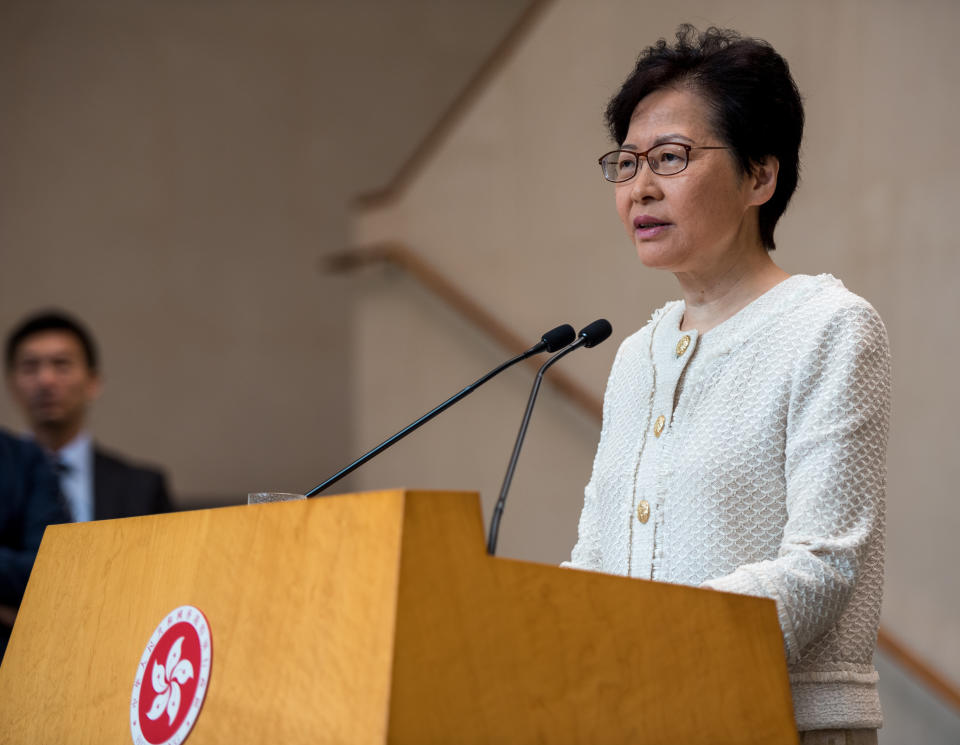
(51, 320)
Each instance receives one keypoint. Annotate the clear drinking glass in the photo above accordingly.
(271, 496)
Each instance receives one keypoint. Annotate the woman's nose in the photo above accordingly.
(646, 185)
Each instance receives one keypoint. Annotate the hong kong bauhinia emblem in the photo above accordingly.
(172, 679)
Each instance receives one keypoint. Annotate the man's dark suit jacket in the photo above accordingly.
(29, 501)
(124, 490)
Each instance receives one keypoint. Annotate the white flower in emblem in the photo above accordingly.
(167, 681)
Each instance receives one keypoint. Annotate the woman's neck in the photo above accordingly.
(713, 297)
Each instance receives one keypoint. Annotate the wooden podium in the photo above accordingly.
(379, 618)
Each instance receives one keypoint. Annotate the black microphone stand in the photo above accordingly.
(511, 467)
(590, 336)
(548, 342)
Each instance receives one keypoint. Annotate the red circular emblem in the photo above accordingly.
(172, 679)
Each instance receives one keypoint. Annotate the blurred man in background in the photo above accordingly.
(29, 501)
(53, 375)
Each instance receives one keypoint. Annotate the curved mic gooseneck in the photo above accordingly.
(589, 336)
(549, 342)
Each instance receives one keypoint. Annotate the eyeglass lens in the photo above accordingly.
(664, 160)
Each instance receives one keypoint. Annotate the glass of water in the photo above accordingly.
(271, 496)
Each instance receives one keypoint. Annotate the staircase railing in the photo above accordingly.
(398, 255)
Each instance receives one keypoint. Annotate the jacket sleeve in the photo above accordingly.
(835, 471)
(587, 552)
(35, 501)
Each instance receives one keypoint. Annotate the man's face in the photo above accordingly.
(51, 381)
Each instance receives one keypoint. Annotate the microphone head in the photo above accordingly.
(559, 337)
(596, 332)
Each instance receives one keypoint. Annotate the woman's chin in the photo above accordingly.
(654, 257)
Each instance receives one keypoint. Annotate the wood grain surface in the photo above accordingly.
(379, 618)
(300, 598)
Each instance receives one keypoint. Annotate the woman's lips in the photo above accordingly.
(647, 226)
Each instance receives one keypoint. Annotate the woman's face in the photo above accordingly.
(696, 221)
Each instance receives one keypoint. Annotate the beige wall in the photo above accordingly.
(514, 206)
(173, 171)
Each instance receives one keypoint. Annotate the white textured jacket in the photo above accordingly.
(751, 459)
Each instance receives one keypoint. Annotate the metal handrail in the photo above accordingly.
(400, 256)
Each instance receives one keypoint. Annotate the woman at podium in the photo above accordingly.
(745, 425)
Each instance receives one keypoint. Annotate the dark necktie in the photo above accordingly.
(63, 469)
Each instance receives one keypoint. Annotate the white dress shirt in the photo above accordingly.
(76, 476)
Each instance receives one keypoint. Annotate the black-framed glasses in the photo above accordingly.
(666, 159)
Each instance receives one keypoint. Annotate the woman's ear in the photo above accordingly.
(763, 180)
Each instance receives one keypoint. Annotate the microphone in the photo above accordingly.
(550, 342)
(589, 336)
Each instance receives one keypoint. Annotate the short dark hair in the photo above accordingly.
(51, 320)
(756, 107)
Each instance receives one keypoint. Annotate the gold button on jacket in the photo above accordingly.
(658, 425)
(643, 511)
(683, 344)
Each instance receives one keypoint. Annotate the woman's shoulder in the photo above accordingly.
(823, 303)
(823, 291)
(831, 326)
